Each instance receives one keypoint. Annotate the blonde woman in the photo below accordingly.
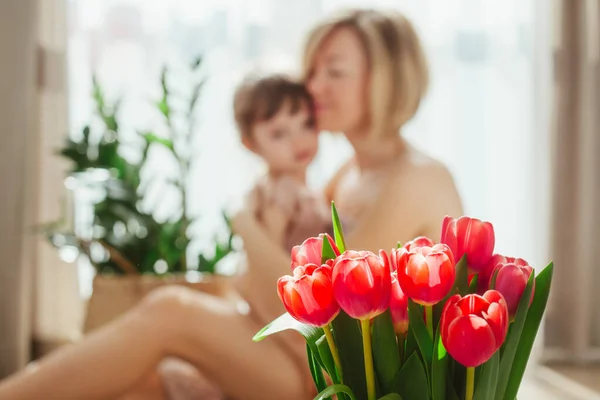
(367, 74)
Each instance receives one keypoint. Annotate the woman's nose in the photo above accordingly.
(315, 85)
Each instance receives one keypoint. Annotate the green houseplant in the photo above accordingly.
(131, 250)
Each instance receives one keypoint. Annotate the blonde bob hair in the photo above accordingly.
(397, 66)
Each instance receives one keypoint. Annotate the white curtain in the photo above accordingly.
(479, 117)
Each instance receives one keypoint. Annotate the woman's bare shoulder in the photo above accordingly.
(428, 189)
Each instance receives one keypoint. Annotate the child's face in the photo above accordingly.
(288, 142)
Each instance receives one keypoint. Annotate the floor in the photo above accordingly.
(551, 384)
(586, 375)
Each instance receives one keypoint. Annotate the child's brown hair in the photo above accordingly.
(259, 99)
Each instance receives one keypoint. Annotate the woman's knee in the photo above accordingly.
(166, 303)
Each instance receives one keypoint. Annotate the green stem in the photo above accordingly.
(368, 354)
(334, 351)
(470, 383)
(429, 316)
(401, 339)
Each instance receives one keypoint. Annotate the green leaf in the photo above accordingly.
(348, 339)
(509, 348)
(326, 358)
(338, 232)
(386, 357)
(417, 325)
(286, 322)
(543, 282)
(152, 138)
(411, 381)
(410, 345)
(439, 369)
(315, 370)
(473, 284)
(488, 378)
(327, 252)
(462, 277)
(391, 396)
(334, 389)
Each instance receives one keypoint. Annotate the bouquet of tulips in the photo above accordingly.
(439, 321)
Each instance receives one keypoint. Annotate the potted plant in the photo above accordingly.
(131, 250)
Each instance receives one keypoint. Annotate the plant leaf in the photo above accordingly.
(411, 381)
(348, 340)
(488, 378)
(411, 345)
(439, 369)
(326, 358)
(286, 322)
(473, 284)
(334, 389)
(315, 370)
(327, 252)
(386, 357)
(338, 232)
(152, 138)
(391, 396)
(509, 348)
(417, 325)
(461, 283)
(543, 282)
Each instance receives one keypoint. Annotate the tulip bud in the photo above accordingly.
(309, 252)
(398, 307)
(474, 327)
(426, 274)
(308, 295)
(362, 283)
(472, 237)
(512, 275)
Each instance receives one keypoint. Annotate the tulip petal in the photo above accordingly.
(470, 340)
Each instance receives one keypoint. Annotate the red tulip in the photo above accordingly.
(309, 252)
(362, 283)
(420, 241)
(398, 307)
(474, 327)
(308, 295)
(426, 274)
(469, 236)
(512, 275)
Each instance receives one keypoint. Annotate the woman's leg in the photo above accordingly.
(207, 331)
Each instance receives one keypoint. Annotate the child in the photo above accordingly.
(275, 118)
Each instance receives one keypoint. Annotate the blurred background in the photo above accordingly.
(512, 111)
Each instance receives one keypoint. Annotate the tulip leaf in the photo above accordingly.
(509, 348)
(327, 358)
(335, 389)
(327, 252)
(439, 369)
(488, 378)
(348, 339)
(338, 232)
(473, 284)
(462, 277)
(287, 322)
(534, 317)
(417, 325)
(391, 396)
(386, 357)
(410, 345)
(411, 381)
(315, 370)
(450, 389)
